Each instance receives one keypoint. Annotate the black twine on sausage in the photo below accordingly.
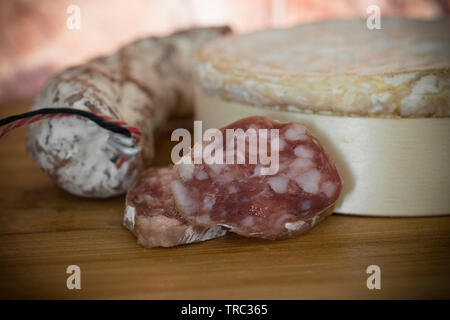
(108, 125)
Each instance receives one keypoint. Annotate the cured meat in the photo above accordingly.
(151, 214)
(142, 84)
(246, 198)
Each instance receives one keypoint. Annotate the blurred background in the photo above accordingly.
(36, 42)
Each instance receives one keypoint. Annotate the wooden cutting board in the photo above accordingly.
(43, 230)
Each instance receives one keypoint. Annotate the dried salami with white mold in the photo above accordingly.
(151, 214)
(278, 205)
(141, 84)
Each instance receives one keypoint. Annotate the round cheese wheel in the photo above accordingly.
(337, 67)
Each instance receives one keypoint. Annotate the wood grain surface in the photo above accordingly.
(43, 230)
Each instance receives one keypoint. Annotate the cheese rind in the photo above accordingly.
(337, 67)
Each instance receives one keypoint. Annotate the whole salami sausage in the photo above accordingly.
(248, 197)
(151, 214)
(141, 84)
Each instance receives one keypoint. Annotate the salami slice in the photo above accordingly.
(153, 218)
(246, 198)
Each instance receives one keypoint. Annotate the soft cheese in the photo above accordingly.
(336, 67)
